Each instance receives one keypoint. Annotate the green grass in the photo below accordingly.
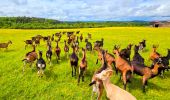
(58, 83)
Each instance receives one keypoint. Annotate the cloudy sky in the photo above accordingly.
(88, 10)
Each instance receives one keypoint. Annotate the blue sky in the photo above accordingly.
(88, 10)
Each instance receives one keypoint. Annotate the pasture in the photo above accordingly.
(58, 83)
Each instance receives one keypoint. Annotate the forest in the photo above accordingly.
(43, 23)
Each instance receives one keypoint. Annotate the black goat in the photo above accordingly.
(41, 65)
(49, 54)
(137, 57)
(88, 46)
(125, 53)
(99, 43)
(74, 61)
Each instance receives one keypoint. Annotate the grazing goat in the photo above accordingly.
(30, 57)
(142, 45)
(57, 51)
(146, 72)
(49, 54)
(88, 46)
(113, 92)
(81, 37)
(28, 42)
(137, 57)
(5, 45)
(66, 48)
(74, 61)
(41, 65)
(99, 43)
(125, 53)
(154, 55)
(123, 66)
(83, 66)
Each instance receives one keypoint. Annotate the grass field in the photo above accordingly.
(58, 84)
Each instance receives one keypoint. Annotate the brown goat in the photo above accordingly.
(83, 66)
(109, 58)
(30, 57)
(57, 51)
(154, 55)
(5, 45)
(123, 66)
(28, 42)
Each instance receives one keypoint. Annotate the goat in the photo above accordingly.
(165, 62)
(123, 66)
(66, 48)
(81, 37)
(49, 53)
(83, 66)
(145, 71)
(97, 83)
(73, 61)
(57, 51)
(125, 53)
(137, 57)
(41, 65)
(109, 58)
(99, 43)
(30, 57)
(52, 38)
(89, 36)
(28, 42)
(5, 45)
(142, 45)
(37, 42)
(77, 32)
(154, 55)
(88, 46)
(113, 92)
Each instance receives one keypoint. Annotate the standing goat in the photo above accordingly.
(83, 66)
(5, 45)
(74, 61)
(125, 53)
(57, 51)
(123, 66)
(30, 57)
(154, 54)
(66, 49)
(49, 53)
(113, 92)
(41, 65)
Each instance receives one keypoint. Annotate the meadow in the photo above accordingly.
(58, 83)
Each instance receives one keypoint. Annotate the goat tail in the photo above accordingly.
(93, 82)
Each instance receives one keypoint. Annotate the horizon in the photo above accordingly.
(87, 10)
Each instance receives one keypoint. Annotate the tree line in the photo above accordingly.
(43, 23)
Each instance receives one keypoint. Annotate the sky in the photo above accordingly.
(88, 10)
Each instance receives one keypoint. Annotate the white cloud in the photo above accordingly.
(88, 9)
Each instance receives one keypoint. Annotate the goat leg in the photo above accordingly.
(97, 61)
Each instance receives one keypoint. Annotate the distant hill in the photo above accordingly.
(43, 23)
